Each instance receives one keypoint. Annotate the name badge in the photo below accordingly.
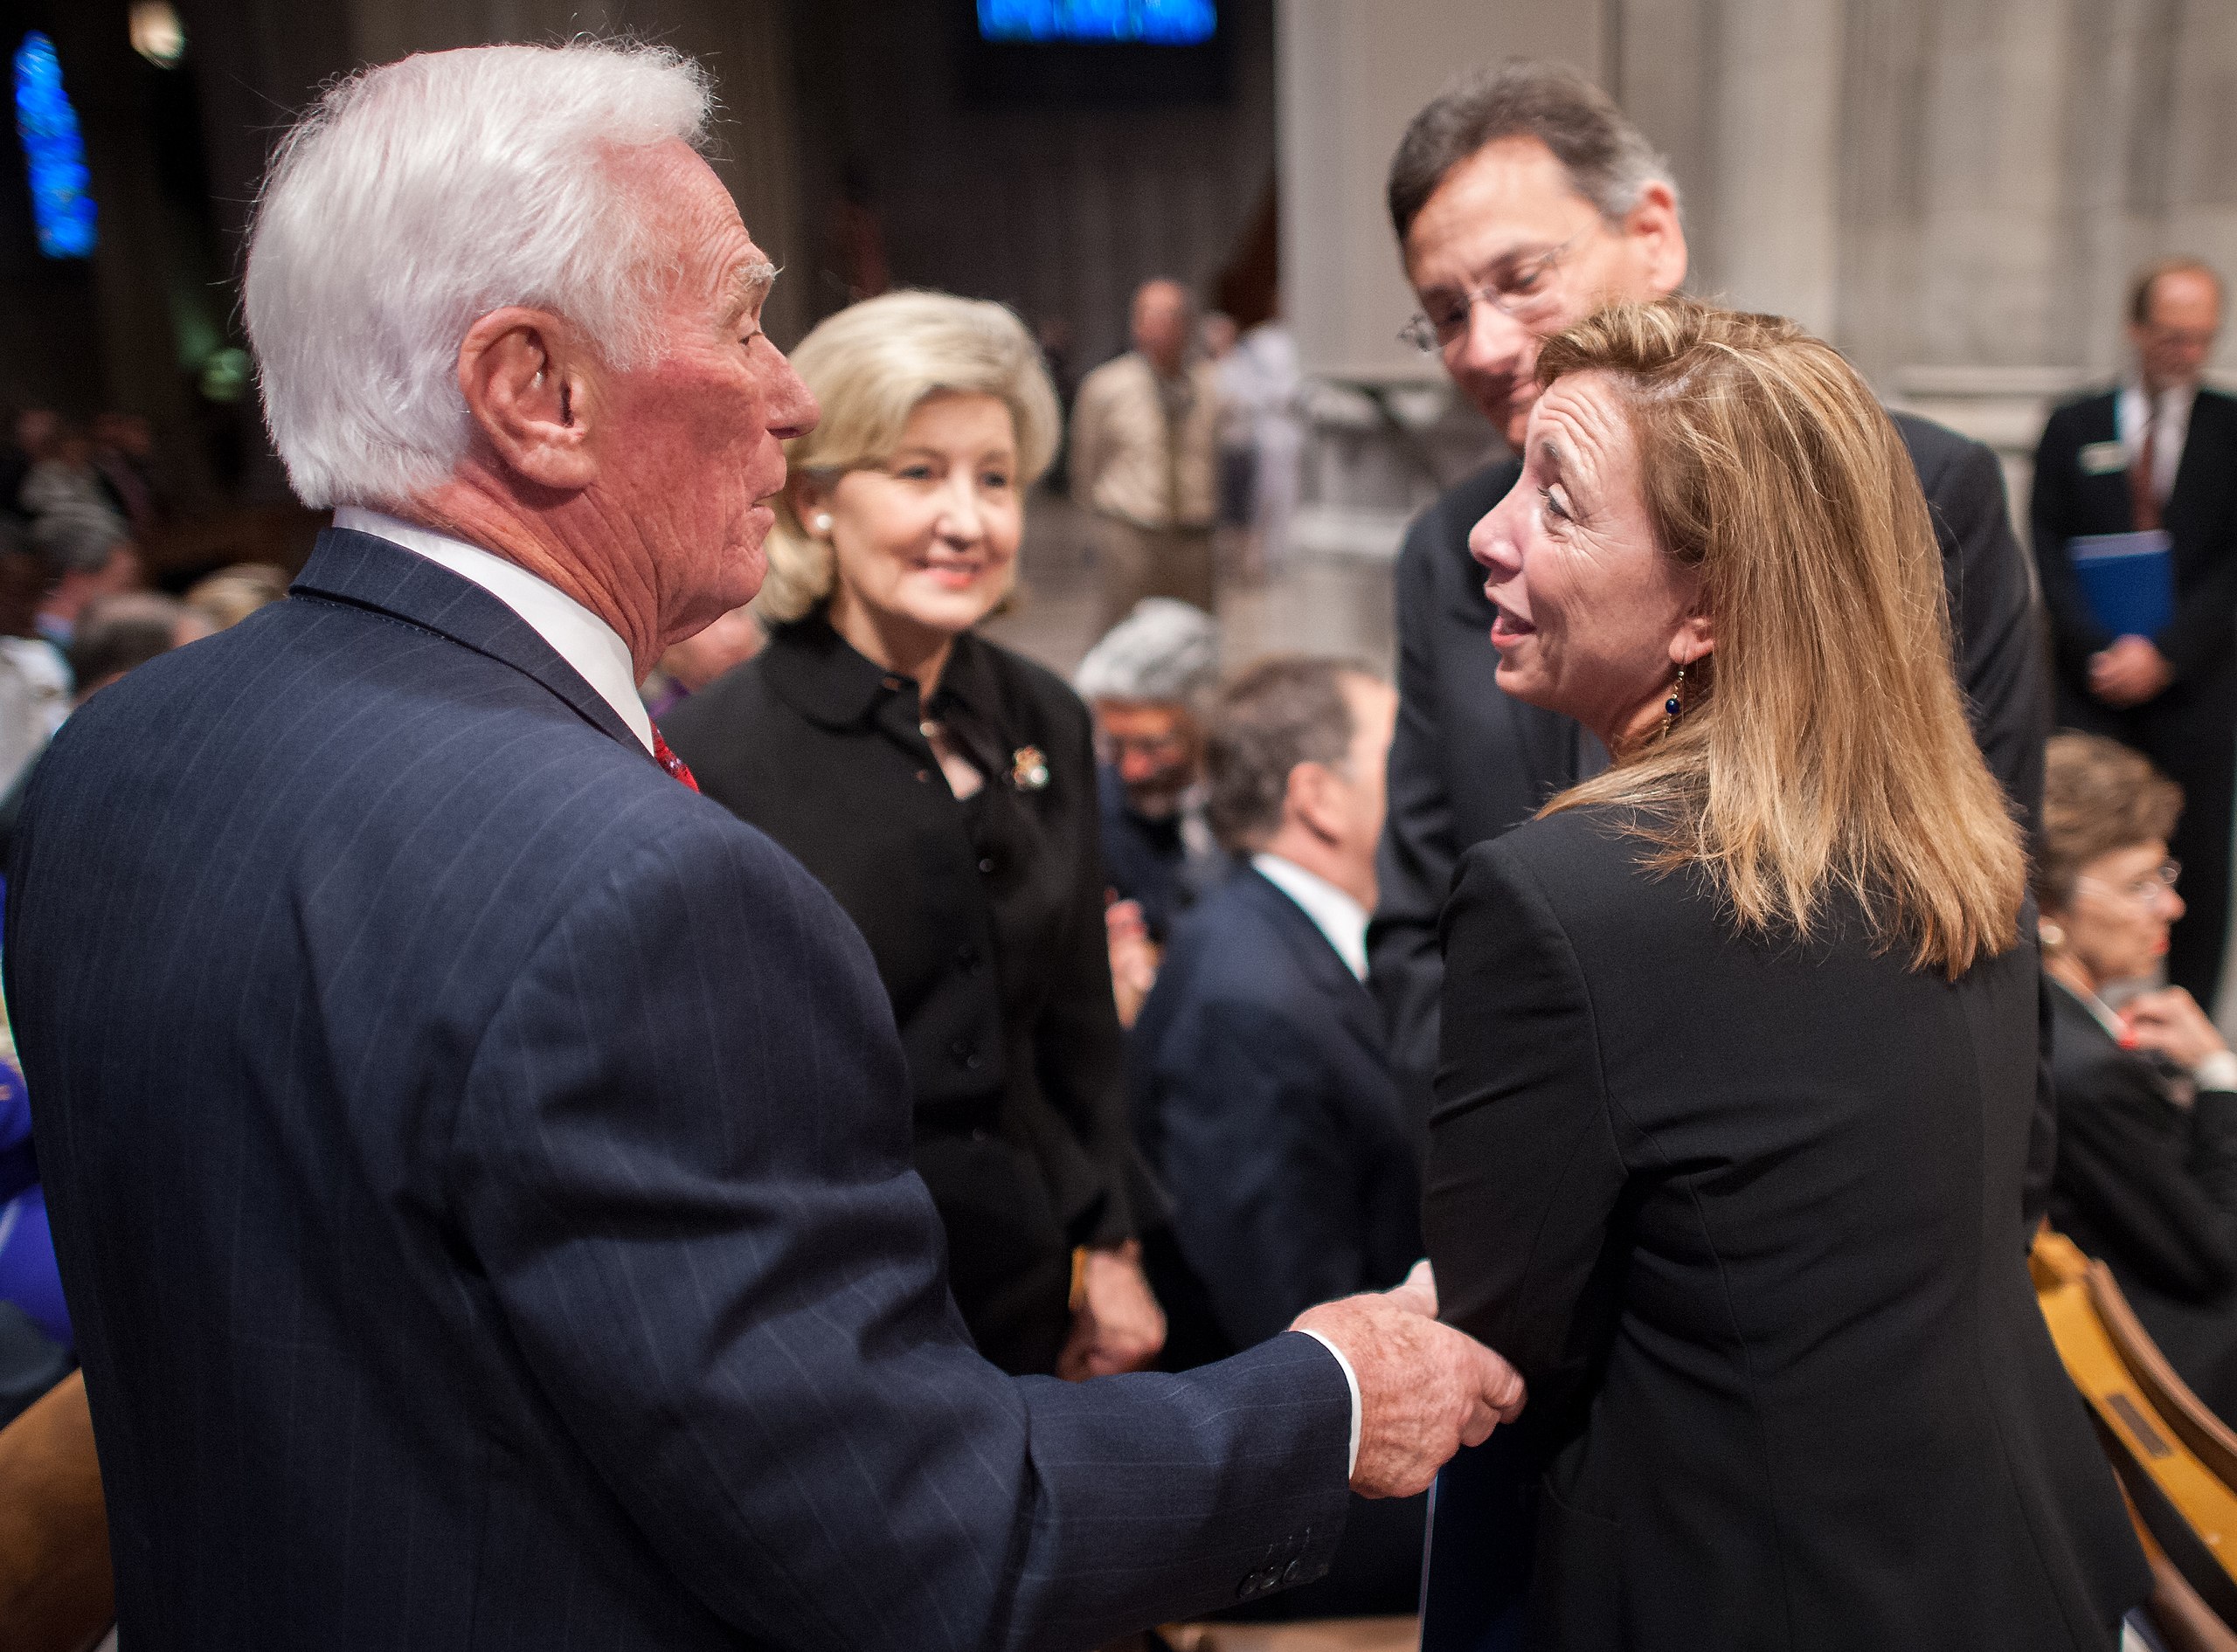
(2102, 459)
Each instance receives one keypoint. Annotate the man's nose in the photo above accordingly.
(1495, 341)
(792, 409)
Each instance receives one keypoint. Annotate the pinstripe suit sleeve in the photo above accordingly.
(682, 1160)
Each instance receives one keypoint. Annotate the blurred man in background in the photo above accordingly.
(1262, 1095)
(1145, 453)
(1145, 682)
(2157, 453)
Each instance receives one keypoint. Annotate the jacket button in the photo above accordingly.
(924, 777)
(986, 863)
(891, 685)
(967, 957)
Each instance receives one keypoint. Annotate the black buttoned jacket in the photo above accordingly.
(986, 919)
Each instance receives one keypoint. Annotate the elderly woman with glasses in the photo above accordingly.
(2147, 1095)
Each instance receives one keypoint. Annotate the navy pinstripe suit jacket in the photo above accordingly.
(481, 1171)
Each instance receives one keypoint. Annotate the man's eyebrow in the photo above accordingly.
(750, 282)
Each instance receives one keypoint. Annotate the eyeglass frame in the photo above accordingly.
(1422, 333)
(2146, 890)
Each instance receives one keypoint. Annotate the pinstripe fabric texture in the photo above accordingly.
(481, 1172)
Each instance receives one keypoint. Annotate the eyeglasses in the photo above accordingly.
(1525, 293)
(2145, 891)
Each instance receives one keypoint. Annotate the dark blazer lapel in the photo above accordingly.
(372, 572)
(2207, 448)
(1346, 993)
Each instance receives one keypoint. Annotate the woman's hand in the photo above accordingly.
(1118, 1327)
(2170, 1022)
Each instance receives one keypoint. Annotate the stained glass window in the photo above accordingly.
(62, 197)
(1164, 23)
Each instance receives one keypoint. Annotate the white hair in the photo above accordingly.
(418, 196)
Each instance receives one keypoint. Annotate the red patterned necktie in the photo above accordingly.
(670, 762)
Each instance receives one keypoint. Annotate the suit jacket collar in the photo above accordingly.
(371, 573)
(1346, 993)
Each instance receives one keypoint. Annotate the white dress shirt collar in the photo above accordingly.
(577, 635)
(1335, 914)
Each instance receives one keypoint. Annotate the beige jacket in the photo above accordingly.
(1122, 463)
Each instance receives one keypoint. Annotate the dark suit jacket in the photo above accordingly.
(985, 918)
(1262, 1097)
(481, 1172)
(2201, 517)
(1747, 1215)
(2150, 1189)
(1467, 763)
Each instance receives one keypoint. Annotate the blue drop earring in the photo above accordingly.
(1675, 704)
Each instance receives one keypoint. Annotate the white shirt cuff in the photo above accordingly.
(2217, 1072)
(1352, 1382)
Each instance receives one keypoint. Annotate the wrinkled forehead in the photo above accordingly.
(694, 224)
(1582, 425)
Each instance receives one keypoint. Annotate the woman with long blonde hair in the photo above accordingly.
(1730, 1147)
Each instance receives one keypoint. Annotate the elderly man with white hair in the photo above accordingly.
(479, 1166)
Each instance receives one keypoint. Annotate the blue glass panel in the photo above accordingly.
(1166, 23)
(62, 197)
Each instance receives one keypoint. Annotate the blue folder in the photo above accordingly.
(2127, 579)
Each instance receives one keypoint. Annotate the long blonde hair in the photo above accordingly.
(1824, 748)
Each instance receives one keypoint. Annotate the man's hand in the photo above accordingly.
(1133, 956)
(1425, 1390)
(2129, 672)
(1118, 1327)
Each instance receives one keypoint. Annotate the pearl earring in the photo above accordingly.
(2050, 934)
(821, 522)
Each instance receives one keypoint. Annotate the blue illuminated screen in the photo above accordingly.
(1157, 23)
(62, 197)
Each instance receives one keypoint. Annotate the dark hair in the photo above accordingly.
(2098, 797)
(121, 634)
(2141, 285)
(1608, 159)
(1281, 712)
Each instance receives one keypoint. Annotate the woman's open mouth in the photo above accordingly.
(1506, 625)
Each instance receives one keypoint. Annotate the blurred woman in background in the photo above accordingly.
(2147, 1095)
(944, 789)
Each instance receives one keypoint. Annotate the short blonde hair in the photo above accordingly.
(1824, 747)
(870, 366)
(2099, 797)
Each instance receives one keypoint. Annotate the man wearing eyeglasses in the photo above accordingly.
(1524, 200)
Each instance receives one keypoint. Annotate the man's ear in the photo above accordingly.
(1308, 799)
(530, 385)
(1658, 238)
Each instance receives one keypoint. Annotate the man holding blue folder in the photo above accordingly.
(2134, 513)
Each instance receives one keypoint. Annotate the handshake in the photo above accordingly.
(1425, 1389)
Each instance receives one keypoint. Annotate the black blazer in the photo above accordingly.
(1262, 1100)
(480, 1170)
(2201, 517)
(1467, 764)
(2150, 1189)
(986, 919)
(1748, 1218)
